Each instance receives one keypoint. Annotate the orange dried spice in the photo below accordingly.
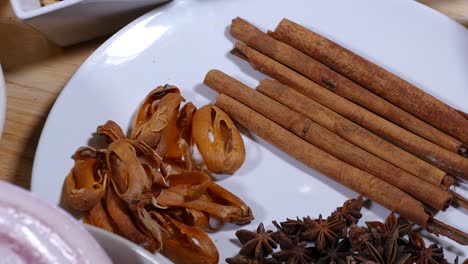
(147, 188)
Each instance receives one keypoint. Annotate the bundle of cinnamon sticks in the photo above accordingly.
(351, 120)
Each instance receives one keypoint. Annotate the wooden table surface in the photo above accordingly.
(36, 70)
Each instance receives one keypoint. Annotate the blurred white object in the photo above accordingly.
(456, 9)
(33, 231)
(2, 101)
(121, 250)
(72, 21)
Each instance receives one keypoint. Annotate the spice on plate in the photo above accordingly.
(292, 250)
(360, 181)
(147, 187)
(258, 243)
(374, 78)
(393, 241)
(430, 152)
(323, 232)
(465, 115)
(333, 81)
(328, 141)
(218, 140)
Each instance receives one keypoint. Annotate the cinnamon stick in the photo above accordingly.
(459, 200)
(439, 228)
(328, 141)
(335, 82)
(354, 133)
(465, 115)
(439, 157)
(374, 78)
(362, 182)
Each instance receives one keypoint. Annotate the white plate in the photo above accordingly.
(179, 43)
(2, 101)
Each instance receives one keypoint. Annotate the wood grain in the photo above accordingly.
(36, 71)
(456, 9)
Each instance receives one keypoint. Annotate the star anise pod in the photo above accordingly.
(293, 251)
(381, 232)
(423, 255)
(391, 253)
(336, 253)
(292, 227)
(358, 237)
(239, 259)
(350, 211)
(257, 244)
(351, 260)
(322, 232)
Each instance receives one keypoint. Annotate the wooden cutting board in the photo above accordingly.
(36, 70)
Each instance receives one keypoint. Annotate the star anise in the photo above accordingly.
(351, 260)
(391, 253)
(239, 259)
(322, 232)
(292, 227)
(293, 251)
(336, 253)
(358, 237)
(432, 254)
(381, 232)
(319, 241)
(257, 244)
(350, 211)
(423, 255)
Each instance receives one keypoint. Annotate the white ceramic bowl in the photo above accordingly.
(2, 101)
(121, 250)
(33, 231)
(73, 21)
